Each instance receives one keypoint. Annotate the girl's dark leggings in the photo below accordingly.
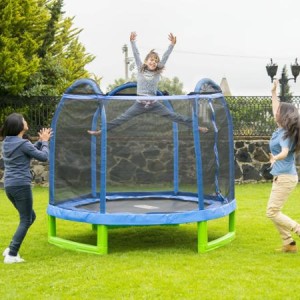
(21, 198)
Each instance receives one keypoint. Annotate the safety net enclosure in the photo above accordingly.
(150, 169)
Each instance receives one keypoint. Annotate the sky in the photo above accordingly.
(215, 38)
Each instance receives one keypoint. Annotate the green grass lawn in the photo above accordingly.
(155, 262)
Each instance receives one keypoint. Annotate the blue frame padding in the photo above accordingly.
(214, 212)
(85, 81)
(173, 98)
(122, 87)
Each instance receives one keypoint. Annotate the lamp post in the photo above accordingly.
(127, 60)
(125, 51)
(272, 70)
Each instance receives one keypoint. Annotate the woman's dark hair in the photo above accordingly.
(289, 119)
(159, 68)
(12, 126)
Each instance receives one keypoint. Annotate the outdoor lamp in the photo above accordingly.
(272, 69)
(295, 69)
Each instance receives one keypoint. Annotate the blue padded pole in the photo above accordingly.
(195, 112)
(94, 152)
(52, 152)
(175, 151)
(103, 162)
(231, 149)
(216, 151)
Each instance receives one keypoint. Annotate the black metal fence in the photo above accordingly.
(38, 111)
(252, 115)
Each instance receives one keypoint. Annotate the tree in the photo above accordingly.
(49, 36)
(172, 86)
(20, 24)
(251, 115)
(116, 83)
(40, 53)
(63, 56)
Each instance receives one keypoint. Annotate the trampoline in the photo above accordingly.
(147, 171)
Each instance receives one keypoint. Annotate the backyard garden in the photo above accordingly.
(157, 262)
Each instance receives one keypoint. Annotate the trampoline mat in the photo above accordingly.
(143, 206)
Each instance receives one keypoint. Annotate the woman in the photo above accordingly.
(17, 153)
(284, 143)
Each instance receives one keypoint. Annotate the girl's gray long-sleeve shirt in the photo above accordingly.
(147, 81)
(17, 153)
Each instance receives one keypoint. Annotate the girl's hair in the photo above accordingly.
(12, 126)
(289, 119)
(159, 68)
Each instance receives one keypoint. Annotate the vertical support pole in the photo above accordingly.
(198, 155)
(102, 239)
(103, 150)
(175, 150)
(51, 226)
(232, 221)
(202, 236)
(204, 245)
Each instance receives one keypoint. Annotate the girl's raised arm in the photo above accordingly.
(135, 50)
(166, 55)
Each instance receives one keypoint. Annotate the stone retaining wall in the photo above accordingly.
(252, 160)
(251, 163)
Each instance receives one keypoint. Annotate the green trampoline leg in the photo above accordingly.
(100, 248)
(204, 245)
(51, 226)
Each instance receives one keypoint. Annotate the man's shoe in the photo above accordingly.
(13, 259)
(290, 248)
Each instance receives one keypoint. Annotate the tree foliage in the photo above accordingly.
(251, 115)
(40, 52)
(285, 93)
(172, 86)
(117, 83)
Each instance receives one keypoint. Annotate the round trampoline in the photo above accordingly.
(147, 170)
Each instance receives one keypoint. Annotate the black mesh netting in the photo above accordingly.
(140, 153)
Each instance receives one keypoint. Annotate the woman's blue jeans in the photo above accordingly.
(21, 198)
